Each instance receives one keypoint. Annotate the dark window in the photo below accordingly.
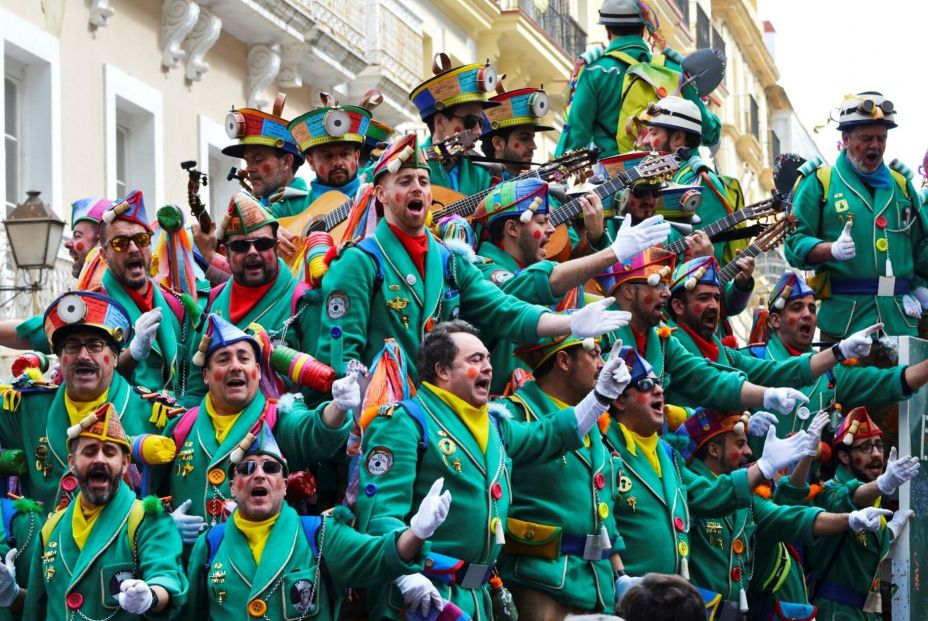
(717, 41)
(755, 118)
(684, 6)
(703, 29)
(774, 145)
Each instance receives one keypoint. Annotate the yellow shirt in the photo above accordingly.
(475, 419)
(77, 410)
(222, 423)
(83, 521)
(648, 446)
(255, 532)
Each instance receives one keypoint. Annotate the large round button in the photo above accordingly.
(496, 491)
(74, 600)
(257, 607)
(216, 476)
(882, 244)
(738, 546)
(214, 506)
(678, 523)
(69, 483)
(736, 574)
(683, 549)
(599, 480)
(493, 524)
(603, 511)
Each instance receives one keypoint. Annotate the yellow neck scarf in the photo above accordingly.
(475, 419)
(648, 446)
(255, 532)
(563, 406)
(83, 521)
(77, 410)
(222, 423)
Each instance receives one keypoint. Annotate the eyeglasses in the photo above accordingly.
(470, 120)
(261, 244)
(647, 384)
(867, 447)
(248, 468)
(74, 347)
(120, 243)
(640, 191)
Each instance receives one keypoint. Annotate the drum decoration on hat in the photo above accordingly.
(679, 201)
(524, 106)
(90, 309)
(329, 125)
(253, 127)
(453, 86)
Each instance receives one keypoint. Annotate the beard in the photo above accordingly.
(99, 497)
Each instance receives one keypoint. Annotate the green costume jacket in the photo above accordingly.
(565, 496)
(466, 177)
(718, 565)
(25, 525)
(688, 380)
(271, 311)
(291, 206)
(857, 556)
(360, 309)
(65, 581)
(594, 110)
(395, 475)
(901, 238)
(653, 513)
(39, 424)
(289, 580)
(200, 470)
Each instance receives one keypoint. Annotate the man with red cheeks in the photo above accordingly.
(400, 282)
(86, 215)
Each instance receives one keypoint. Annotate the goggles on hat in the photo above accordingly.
(120, 243)
(866, 106)
(261, 244)
(248, 468)
(654, 110)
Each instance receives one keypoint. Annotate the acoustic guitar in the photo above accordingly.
(769, 239)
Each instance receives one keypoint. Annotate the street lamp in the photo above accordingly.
(34, 231)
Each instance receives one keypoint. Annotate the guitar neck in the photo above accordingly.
(728, 272)
(733, 219)
(572, 208)
(332, 219)
(468, 205)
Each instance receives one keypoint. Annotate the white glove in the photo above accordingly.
(898, 471)
(134, 596)
(760, 422)
(146, 329)
(858, 344)
(189, 526)
(911, 306)
(779, 454)
(346, 392)
(921, 294)
(783, 400)
(843, 248)
(612, 380)
(814, 434)
(432, 511)
(9, 590)
(867, 518)
(899, 522)
(631, 240)
(419, 593)
(623, 584)
(594, 320)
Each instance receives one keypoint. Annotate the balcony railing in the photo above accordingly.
(556, 21)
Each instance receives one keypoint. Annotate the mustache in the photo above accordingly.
(87, 366)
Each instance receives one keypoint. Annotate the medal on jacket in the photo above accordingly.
(41, 457)
(48, 560)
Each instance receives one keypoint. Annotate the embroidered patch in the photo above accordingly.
(498, 277)
(380, 461)
(337, 305)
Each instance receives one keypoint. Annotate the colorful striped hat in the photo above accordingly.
(654, 266)
(857, 425)
(88, 210)
(86, 309)
(453, 86)
(244, 215)
(254, 127)
(330, 124)
(698, 271)
(103, 425)
(535, 354)
(519, 198)
(789, 287)
(131, 209)
(404, 152)
(525, 106)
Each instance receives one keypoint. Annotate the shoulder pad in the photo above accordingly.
(340, 513)
(697, 163)
(152, 505)
(902, 169)
(27, 505)
(810, 166)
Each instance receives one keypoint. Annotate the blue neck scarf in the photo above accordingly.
(349, 189)
(880, 178)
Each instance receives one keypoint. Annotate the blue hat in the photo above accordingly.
(698, 271)
(88, 210)
(86, 309)
(220, 333)
(789, 287)
(259, 441)
(130, 208)
(522, 198)
(638, 367)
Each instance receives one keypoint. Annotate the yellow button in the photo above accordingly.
(683, 549)
(882, 244)
(257, 608)
(738, 546)
(493, 524)
(586, 441)
(216, 476)
(603, 511)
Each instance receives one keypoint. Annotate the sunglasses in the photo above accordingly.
(248, 468)
(261, 244)
(120, 243)
(470, 121)
(647, 384)
(640, 191)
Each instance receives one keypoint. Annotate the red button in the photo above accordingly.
(880, 222)
(678, 523)
(496, 491)
(69, 483)
(75, 601)
(599, 480)
(736, 574)
(615, 453)
(214, 506)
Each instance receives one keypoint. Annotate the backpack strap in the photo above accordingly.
(415, 410)
(214, 538)
(311, 525)
(369, 245)
(136, 515)
(184, 425)
(49, 527)
(625, 58)
(758, 350)
(213, 294)
(8, 511)
(174, 304)
(301, 287)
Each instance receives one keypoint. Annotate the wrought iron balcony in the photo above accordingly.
(555, 20)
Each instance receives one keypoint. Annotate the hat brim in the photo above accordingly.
(853, 124)
(238, 150)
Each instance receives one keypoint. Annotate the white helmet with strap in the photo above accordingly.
(867, 108)
(675, 113)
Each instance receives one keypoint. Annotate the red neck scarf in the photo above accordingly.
(707, 348)
(641, 339)
(792, 352)
(415, 247)
(143, 300)
(242, 299)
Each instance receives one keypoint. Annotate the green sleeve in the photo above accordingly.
(304, 437)
(26, 527)
(532, 285)
(159, 560)
(868, 385)
(33, 330)
(785, 493)
(702, 382)
(497, 316)
(807, 207)
(785, 522)
(838, 497)
(197, 605)
(353, 275)
(716, 498)
(540, 441)
(578, 127)
(795, 372)
(360, 560)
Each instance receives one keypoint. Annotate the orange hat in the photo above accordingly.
(857, 425)
(103, 425)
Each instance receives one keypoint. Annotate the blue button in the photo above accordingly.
(370, 489)
(336, 332)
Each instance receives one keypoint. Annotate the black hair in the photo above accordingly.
(631, 30)
(486, 141)
(438, 348)
(548, 365)
(662, 597)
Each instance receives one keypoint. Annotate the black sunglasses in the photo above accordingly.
(647, 384)
(640, 191)
(470, 121)
(261, 244)
(248, 468)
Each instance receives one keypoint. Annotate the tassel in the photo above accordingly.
(604, 542)
(393, 165)
(742, 601)
(404, 154)
(684, 569)
(889, 268)
(779, 304)
(525, 216)
(199, 358)
(87, 421)
(654, 279)
(690, 283)
(851, 432)
(117, 210)
(500, 537)
(238, 454)
(589, 344)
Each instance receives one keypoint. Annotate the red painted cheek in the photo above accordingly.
(472, 372)
(323, 171)
(217, 376)
(537, 234)
(265, 169)
(398, 198)
(79, 246)
(734, 457)
(858, 461)
(649, 299)
(254, 374)
(517, 145)
(791, 321)
(106, 359)
(642, 399)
